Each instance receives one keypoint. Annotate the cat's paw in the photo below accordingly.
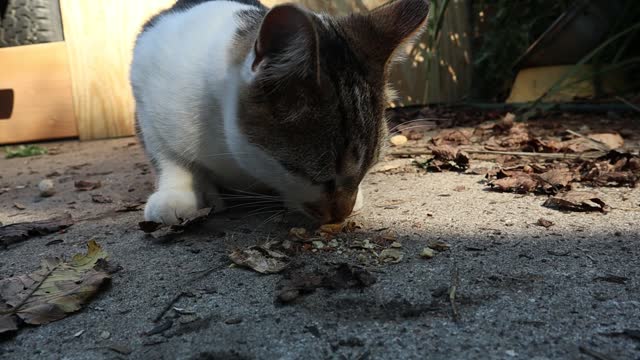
(359, 204)
(171, 207)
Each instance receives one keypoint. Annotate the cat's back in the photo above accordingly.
(190, 37)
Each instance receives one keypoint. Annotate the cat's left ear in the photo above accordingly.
(288, 42)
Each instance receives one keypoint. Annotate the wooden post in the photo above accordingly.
(100, 35)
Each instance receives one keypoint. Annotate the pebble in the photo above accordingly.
(427, 253)
(47, 188)
(399, 140)
(105, 334)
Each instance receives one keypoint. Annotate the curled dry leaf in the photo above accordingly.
(392, 255)
(611, 140)
(84, 185)
(14, 233)
(439, 245)
(55, 290)
(299, 233)
(544, 223)
(260, 259)
(578, 201)
(446, 157)
(521, 183)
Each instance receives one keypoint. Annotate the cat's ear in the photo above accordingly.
(382, 31)
(288, 42)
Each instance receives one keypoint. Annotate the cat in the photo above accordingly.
(232, 95)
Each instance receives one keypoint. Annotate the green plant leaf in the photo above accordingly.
(24, 151)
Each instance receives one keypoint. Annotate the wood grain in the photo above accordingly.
(40, 80)
(100, 36)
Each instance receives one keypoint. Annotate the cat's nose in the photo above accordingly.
(335, 209)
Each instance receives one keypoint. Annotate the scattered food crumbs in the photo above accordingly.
(399, 140)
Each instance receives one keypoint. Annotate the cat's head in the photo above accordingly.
(313, 110)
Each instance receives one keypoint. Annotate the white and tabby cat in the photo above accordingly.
(233, 95)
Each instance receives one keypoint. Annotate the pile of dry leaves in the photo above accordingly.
(542, 160)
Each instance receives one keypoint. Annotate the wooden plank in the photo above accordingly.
(100, 35)
(41, 84)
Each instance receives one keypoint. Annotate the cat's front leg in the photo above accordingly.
(175, 199)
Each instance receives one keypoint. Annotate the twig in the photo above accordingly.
(455, 283)
(424, 151)
(629, 103)
(168, 307)
(594, 354)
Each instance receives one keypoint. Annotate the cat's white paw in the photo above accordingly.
(170, 207)
(359, 201)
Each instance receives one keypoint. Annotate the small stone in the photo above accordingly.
(47, 188)
(318, 245)
(105, 334)
(399, 140)
(334, 243)
(393, 256)
(509, 222)
(233, 321)
(396, 245)
(427, 253)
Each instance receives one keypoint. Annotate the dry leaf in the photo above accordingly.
(344, 276)
(611, 140)
(393, 256)
(427, 253)
(260, 259)
(458, 136)
(577, 201)
(55, 290)
(84, 185)
(299, 233)
(14, 233)
(439, 245)
(101, 199)
(554, 180)
(521, 183)
(544, 223)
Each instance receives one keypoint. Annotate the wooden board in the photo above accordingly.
(41, 84)
(100, 35)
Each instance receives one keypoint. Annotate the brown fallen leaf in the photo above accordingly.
(101, 199)
(438, 245)
(544, 223)
(200, 217)
(611, 140)
(577, 201)
(344, 276)
(130, 207)
(84, 185)
(331, 230)
(55, 290)
(260, 259)
(554, 180)
(458, 136)
(446, 157)
(14, 233)
(520, 183)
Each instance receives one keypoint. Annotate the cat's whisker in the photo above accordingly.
(414, 121)
(391, 134)
(252, 204)
(269, 219)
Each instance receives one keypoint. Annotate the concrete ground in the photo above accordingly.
(524, 291)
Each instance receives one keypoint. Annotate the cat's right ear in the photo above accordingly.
(287, 42)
